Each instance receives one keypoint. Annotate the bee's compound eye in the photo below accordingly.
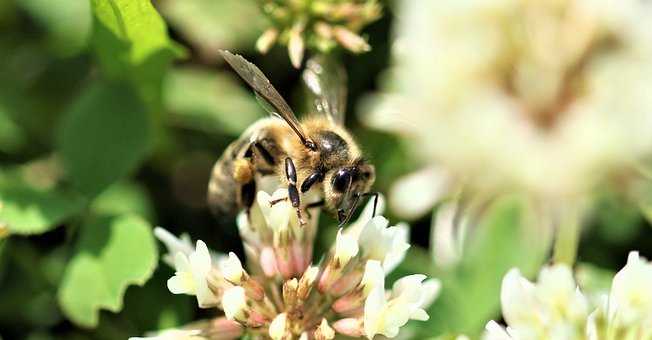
(341, 180)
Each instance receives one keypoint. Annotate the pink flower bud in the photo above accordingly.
(268, 262)
(350, 327)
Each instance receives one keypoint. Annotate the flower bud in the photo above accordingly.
(306, 282)
(278, 327)
(324, 331)
(296, 46)
(266, 40)
(350, 40)
(350, 327)
(232, 269)
(234, 303)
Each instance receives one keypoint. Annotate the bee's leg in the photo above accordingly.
(313, 178)
(262, 147)
(375, 194)
(293, 193)
(248, 194)
(343, 217)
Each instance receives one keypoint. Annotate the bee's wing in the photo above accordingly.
(325, 80)
(266, 94)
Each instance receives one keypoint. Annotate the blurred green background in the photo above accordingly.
(111, 116)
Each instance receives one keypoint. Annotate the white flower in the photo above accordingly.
(448, 234)
(494, 331)
(630, 300)
(192, 275)
(173, 244)
(552, 308)
(373, 277)
(346, 247)
(382, 243)
(234, 303)
(355, 227)
(520, 93)
(173, 334)
(413, 195)
(179, 244)
(409, 295)
(277, 329)
(232, 269)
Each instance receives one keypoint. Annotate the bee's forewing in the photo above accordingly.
(325, 81)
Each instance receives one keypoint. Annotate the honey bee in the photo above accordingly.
(316, 155)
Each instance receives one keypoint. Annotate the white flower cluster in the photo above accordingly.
(281, 295)
(546, 96)
(554, 308)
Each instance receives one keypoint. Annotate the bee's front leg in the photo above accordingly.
(293, 192)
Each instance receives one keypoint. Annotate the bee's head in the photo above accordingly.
(344, 184)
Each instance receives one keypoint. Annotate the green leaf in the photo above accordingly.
(12, 137)
(506, 237)
(103, 137)
(131, 42)
(112, 253)
(212, 25)
(124, 198)
(28, 210)
(68, 22)
(618, 220)
(209, 101)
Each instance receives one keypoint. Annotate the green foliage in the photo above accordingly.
(103, 136)
(124, 198)
(131, 42)
(471, 291)
(28, 210)
(207, 101)
(112, 253)
(68, 24)
(12, 137)
(211, 25)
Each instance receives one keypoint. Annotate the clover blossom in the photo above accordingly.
(320, 25)
(554, 307)
(547, 97)
(282, 293)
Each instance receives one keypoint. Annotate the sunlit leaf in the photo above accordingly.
(112, 253)
(471, 291)
(27, 210)
(131, 42)
(103, 136)
(208, 101)
(212, 25)
(67, 22)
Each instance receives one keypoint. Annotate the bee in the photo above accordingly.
(316, 157)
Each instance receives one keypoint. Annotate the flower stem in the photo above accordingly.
(567, 240)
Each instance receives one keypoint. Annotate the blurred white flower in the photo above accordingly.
(544, 96)
(193, 274)
(407, 300)
(447, 234)
(554, 308)
(630, 300)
